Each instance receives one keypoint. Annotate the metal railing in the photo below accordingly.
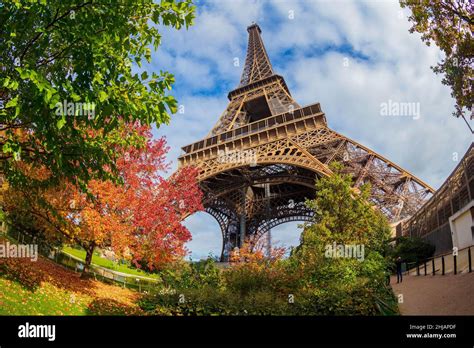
(254, 127)
(457, 261)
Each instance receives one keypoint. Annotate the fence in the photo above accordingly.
(458, 261)
(71, 262)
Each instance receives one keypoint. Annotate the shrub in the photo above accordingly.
(189, 275)
(412, 249)
(211, 301)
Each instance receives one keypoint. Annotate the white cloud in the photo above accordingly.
(194, 124)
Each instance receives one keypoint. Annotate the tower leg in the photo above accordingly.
(243, 219)
(268, 196)
(230, 239)
(269, 243)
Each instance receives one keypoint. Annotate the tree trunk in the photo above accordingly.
(89, 253)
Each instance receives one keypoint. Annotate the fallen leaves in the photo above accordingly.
(47, 289)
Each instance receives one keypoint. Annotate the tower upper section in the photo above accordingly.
(257, 64)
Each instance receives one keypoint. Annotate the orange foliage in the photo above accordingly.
(140, 220)
(255, 253)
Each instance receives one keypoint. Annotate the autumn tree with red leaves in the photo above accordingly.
(140, 219)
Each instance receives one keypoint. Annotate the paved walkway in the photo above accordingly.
(436, 295)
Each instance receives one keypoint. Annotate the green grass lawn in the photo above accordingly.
(47, 300)
(100, 261)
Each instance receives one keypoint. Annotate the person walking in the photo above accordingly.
(398, 262)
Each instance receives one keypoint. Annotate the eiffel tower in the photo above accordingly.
(260, 161)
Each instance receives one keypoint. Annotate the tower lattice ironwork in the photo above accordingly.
(261, 159)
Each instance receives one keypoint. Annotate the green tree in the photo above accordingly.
(344, 215)
(54, 54)
(412, 249)
(344, 218)
(449, 24)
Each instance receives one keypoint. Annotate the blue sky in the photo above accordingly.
(350, 56)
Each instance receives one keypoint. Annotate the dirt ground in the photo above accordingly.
(436, 295)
